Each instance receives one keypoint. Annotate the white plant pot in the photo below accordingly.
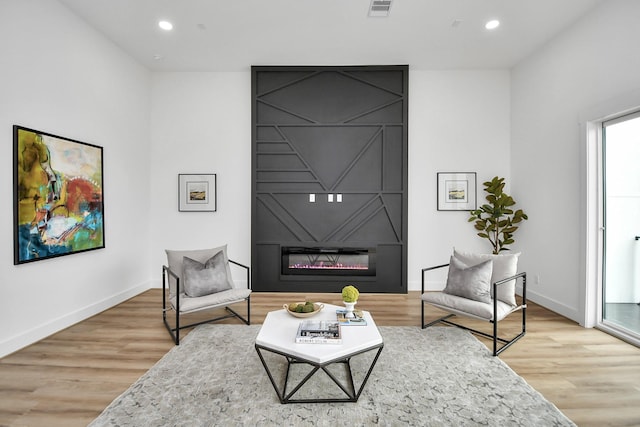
(349, 309)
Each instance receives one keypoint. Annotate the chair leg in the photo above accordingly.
(494, 337)
(175, 332)
(517, 337)
(174, 336)
(439, 320)
(246, 320)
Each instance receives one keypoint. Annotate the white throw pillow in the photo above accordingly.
(503, 266)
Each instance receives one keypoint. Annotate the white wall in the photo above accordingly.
(201, 123)
(459, 121)
(60, 76)
(590, 64)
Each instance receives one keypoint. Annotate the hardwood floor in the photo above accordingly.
(69, 378)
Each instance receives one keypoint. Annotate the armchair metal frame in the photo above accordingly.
(506, 343)
(175, 331)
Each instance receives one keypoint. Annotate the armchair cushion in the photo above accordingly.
(472, 282)
(466, 307)
(503, 266)
(219, 299)
(204, 279)
(175, 259)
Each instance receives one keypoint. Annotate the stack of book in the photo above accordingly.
(319, 332)
(357, 320)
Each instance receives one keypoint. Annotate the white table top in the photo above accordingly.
(279, 333)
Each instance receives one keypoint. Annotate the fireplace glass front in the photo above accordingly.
(312, 261)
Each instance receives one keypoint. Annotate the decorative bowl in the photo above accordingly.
(316, 309)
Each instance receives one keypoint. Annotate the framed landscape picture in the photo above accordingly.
(456, 191)
(197, 192)
(58, 203)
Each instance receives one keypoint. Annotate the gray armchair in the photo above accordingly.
(482, 287)
(198, 280)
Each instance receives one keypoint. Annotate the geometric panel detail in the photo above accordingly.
(320, 132)
(334, 94)
(367, 172)
(387, 113)
(329, 151)
(376, 225)
(268, 114)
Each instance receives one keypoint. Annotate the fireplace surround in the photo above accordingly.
(329, 178)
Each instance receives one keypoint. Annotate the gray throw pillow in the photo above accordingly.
(175, 258)
(504, 265)
(204, 279)
(470, 282)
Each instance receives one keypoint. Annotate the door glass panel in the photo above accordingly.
(621, 269)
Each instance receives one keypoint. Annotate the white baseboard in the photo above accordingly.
(429, 285)
(553, 305)
(34, 335)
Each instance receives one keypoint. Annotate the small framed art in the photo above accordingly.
(456, 191)
(197, 192)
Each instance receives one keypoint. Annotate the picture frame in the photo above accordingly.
(457, 191)
(58, 206)
(197, 192)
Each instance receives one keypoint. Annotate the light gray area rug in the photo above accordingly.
(439, 376)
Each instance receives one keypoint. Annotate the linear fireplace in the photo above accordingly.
(321, 261)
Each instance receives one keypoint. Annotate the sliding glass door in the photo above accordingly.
(621, 208)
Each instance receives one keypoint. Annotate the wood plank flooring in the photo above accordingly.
(69, 378)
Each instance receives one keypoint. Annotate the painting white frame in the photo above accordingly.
(197, 193)
(457, 191)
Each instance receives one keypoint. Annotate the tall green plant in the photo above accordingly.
(496, 221)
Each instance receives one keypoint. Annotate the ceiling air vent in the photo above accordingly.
(380, 7)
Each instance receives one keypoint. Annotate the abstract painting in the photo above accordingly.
(58, 203)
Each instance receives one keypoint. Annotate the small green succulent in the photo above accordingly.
(350, 293)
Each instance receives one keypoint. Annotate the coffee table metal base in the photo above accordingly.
(349, 388)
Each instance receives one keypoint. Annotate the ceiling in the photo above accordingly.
(232, 35)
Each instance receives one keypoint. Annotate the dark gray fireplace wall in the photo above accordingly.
(329, 164)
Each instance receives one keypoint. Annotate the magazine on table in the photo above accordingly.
(358, 320)
(319, 332)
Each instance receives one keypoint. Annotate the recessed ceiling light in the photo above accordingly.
(492, 25)
(165, 25)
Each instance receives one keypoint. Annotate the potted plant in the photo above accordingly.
(496, 221)
(350, 297)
